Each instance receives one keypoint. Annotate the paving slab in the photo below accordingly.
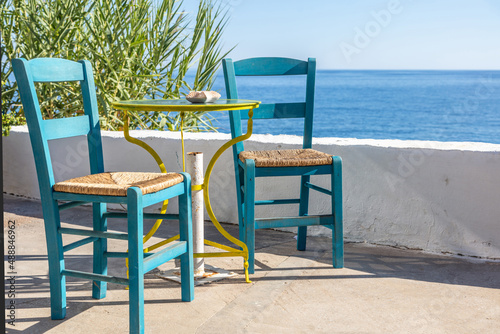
(380, 290)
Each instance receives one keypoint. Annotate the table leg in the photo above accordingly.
(206, 197)
(206, 194)
(162, 169)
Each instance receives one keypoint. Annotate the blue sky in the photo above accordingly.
(368, 34)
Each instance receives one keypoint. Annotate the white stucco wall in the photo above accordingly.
(439, 197)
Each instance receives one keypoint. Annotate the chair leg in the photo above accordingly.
(135, 258)
(241, 200)
(186, 234)
(249, 210)
(56, 260)
(338, 229)
(100, 262)
(303, 211)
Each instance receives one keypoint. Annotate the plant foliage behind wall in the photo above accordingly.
(138, 48)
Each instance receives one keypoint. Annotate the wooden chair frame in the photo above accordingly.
(246, 171)
(27, 73)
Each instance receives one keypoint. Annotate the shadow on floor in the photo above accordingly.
(363, 261)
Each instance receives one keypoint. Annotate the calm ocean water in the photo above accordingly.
(422, 105)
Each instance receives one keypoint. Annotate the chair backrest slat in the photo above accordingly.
(40, 130)
(279, 110)
(269, 66)
(66, 127)
(48, 70)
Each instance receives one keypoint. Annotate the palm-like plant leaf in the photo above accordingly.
(139, 49)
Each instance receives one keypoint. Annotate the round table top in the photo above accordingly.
(184, 105)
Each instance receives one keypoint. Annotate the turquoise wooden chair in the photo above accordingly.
(304, 162)
(136, 190)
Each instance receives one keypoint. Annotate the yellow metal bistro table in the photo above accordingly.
(184, 106)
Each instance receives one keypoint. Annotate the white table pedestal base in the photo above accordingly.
(210, 275)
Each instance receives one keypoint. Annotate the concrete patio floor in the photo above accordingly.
(380, 290)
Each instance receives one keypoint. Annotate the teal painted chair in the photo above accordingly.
(136, 190)
(304, 162)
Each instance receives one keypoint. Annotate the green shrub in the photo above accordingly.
(138, 49)
(9, 120)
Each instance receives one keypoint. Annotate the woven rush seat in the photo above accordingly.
(117, 183)
(287, 158)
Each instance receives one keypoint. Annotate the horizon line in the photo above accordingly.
(410, 69)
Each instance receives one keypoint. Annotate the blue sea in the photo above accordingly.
(384, 104)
